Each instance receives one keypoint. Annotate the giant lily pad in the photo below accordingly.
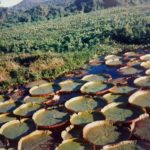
(143, 81)
(44, 89)
(131, 54)
(50, 118)
(74, 144)
(122, 89)
(70, 85)
(95, 87)
(6, 118)
(146, 64)
(96, 78)
(39, 100)
(82, 103)
(145, 57)
(129, 70)
(17, 128)
(104, 132)
(113, 62)
(122, 112)
(83, 118)
(141, 98)
(108, 57)
(27, 109)
(35, 140)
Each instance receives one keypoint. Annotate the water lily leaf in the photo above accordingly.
(82, 103)
(44, 89)
(96, 78)
(50, 118)
(70, 85)
(38, 100)
(122, 112)
(16, 129)
(122, 89)
(112, 57)
(95, 87)
(2, 98)
(134, 63)
(74, 144)
(104, 132)
(6, 118)
(147, 72)
(35, 140)
(113, 62)
(131, 54)
(145, 57)
(141, 98)
(27, 109)
(143, 81)
(83, 118)
(146, 64)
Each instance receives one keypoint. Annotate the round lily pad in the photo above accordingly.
(83, 118)
(147, 72)
(74, 144)
(112, 57)
(44, 89)
(122, 89)
(134, 63)
(96, 78)
(8, 106)
(129, 70)
(141, 98)
(38, 100)
(16, 129)
(104, 132)
(113, 62)
(131, 54)
(146, 64)
(6, 118)
(94, 87)
(50, 118)
(122, 112)
(145, 57)
(82, 103)
(143, 81)
(27, 109)
(70, 85)
(35, 140)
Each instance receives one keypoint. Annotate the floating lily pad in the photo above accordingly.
(128, 145)
(113, 62)
(83, 118)
(145, 57)
(8, 106)
(38, 100)
(108, 57)
(141, 98)
(129, 70)
(70, 85)
(16, 129)
(27, 109)
(141, 128)
(96, 78)
(74, 144)
(122, 112)
(147, 72)
(122, 89)
(35, 140)
(146, 64)
(50, 118)
(6, 118)
(44, 89)
(82, 103)
(104, 132)
(94, 87)
(143, 81)
(120, 81)
(134, 63)
(131, 54)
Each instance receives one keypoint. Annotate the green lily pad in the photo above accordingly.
(122, 112)
(27, 109)
(35, 140)
(70, 85)
(147, 72)
(131, 54)
(44, 89)
(16, 129)
(38, 100)
(143, 81)
(146, 64)
(74, 144)
(104, 132)
(108, 57)
(82, 103)
(145, 57)
(94, 87)
(129, 70)
(96, 78)
(140, 98)
(122, 89)
(6, 118)
(50, 118)
(113, 62)
(134, 63)
(83, 118)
